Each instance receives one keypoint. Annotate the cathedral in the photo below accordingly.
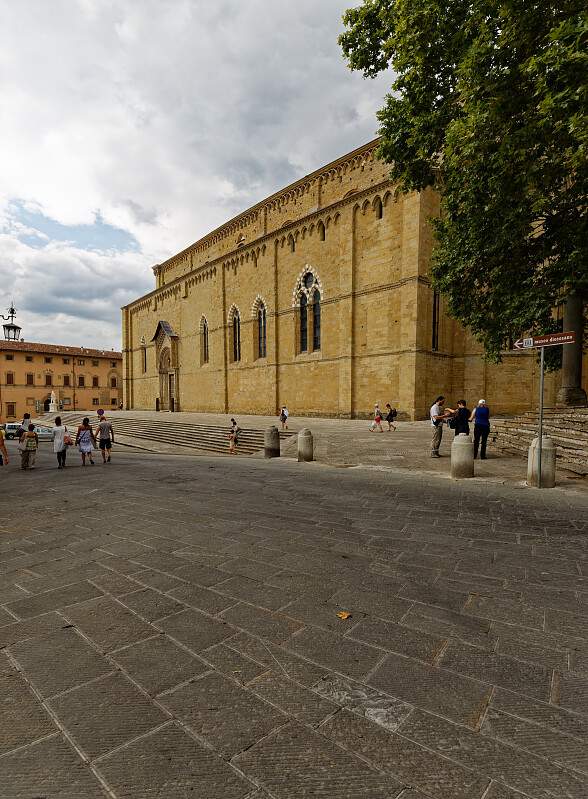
(317, 298)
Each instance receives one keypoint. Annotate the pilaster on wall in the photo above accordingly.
(225, 344)
(346, 311)
(127, 339)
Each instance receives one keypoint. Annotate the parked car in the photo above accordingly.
(10, 429)
(44, 433)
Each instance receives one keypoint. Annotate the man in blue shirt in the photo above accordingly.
(481, 419)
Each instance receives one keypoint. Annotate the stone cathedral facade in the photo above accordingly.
(318, 298)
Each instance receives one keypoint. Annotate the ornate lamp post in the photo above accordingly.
(11, 331)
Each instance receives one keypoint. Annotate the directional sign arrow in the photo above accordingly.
(518, 345)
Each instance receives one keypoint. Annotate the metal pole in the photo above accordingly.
(540, 442)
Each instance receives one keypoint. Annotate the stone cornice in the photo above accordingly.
(279, 198)
(254, 248)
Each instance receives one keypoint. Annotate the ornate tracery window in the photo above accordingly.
(308, 312)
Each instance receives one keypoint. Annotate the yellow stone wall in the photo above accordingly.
(376, 310)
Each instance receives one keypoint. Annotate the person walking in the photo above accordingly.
(61, 441)
(461, 418)
(86, 441)
(438, 416)
(284, 414)
(4, 460)
(377, 419)
(105, 435)
(391, 414)
(481, 419)
(28, 444)
(234, 434)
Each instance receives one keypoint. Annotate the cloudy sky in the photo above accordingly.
(130, 128)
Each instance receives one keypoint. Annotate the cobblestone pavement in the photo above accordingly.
(169, 628)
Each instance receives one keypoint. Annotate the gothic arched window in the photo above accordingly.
(261, 332)
(236, 336)
(321, 231)
(303, 323)
(378, 208)
(204, 351)
(316, 320)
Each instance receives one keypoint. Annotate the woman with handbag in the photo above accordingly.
(61, 441)
(86, 441)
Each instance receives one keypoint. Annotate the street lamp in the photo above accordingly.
(11, 331)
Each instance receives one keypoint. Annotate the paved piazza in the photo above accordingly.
(169, 628)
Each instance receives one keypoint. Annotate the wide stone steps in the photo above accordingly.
(568, 429)
(147, 432)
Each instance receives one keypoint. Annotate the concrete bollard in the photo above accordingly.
(271, 442)
(547, 464)
(462, 457)
(305, 445)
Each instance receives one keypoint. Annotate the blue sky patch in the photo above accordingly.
(37, 230)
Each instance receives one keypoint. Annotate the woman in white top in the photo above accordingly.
(59, 445)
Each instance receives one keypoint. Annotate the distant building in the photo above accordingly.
(82, 379)
(319, 298)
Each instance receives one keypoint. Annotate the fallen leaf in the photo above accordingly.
(344, 614)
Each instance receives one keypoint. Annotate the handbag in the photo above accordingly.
(67, 439)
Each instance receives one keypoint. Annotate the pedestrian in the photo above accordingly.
(105, 435)
(28, 444)
(234, 437)
(391, 414)
(24, 425)
(284, 414)
(377, 419)
(85, 440)
(438, 416)
(61, 441)
(3, 451)
(460, 418)
(481, 419)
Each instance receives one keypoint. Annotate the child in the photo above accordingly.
(377, 419)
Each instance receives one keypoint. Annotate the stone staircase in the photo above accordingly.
(567, 427)
(165, 435)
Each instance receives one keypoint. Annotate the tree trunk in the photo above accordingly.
(571, 391)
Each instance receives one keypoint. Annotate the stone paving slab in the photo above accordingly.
(182, 645)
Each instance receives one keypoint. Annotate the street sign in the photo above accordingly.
(549, 340)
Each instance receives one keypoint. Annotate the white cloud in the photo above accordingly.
(165, 118)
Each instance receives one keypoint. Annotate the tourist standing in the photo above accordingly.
(105, 435)
(377, 419)
(461, 418)
(3, 450)
(481, 419)
(438, 416)
(391, 414)
(86, 441)
(28, 444)
(60, 442)
(284, 414)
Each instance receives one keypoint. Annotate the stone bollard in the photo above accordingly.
(547, 464)
(305, 445)
(462, 457)
(271, 442)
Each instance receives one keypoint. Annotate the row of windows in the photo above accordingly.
(49, 359)
(30, 380)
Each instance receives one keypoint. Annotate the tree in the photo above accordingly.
(489, 106)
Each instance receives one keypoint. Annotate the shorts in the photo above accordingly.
(105, 443)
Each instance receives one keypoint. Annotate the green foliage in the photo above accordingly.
(489, 106)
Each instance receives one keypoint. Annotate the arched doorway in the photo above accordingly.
(47, 404)
(167, 381)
